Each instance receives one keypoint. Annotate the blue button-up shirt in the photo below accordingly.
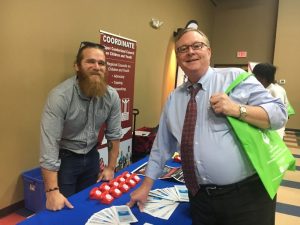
(218, 156)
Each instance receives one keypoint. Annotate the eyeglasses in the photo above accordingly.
(195, 46)
(91, 44)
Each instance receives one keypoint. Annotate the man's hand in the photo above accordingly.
(222, 104)
(107, 174)
(56, 201)
(256, 115)
(140, 195)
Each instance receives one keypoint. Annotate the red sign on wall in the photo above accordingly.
(241, 54)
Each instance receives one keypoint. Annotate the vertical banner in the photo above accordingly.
(120, 57)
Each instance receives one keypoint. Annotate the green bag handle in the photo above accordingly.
(244, 76)
(290, 109)
(239, 79)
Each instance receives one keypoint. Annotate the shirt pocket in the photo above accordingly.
(217, 122)
(102, 115)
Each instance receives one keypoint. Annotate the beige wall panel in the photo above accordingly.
(244, 26)
(287, 53)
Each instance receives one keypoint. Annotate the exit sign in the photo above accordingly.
(241, 54)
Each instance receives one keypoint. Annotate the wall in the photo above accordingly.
(247, 25)
(287, 54)
(252, 26)
(39, 40)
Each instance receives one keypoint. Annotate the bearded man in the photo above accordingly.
(73, 115)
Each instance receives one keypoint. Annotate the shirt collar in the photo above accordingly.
(203, 81)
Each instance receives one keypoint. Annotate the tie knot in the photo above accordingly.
(194, 90)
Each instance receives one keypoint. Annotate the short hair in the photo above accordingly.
(182, 31)
(266, 71)
(85, 45)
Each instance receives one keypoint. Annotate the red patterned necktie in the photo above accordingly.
(187, 143)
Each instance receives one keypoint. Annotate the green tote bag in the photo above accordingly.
(266, 150)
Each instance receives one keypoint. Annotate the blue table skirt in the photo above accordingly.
(84, 207)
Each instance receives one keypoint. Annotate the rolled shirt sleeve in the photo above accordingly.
(251, 92)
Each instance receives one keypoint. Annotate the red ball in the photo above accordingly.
(104, 187)
(130, 182)
(115, 192)
(124, 187)
(95, 193)
(135, 177)
(106, 198)
(113, 183)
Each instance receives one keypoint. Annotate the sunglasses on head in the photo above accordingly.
(84, 44)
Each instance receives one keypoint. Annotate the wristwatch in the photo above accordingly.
(243, 112)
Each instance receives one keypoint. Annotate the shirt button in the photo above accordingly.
(196, 142)
(198, 161)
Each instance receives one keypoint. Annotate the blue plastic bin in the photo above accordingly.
(34, 190)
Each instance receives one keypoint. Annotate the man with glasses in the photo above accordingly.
(73, 115)
(224, 188)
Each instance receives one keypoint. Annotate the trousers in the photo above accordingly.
(243, 203)
(77, 171)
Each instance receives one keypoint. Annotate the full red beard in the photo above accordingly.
(92, 87)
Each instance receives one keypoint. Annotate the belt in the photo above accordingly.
(214, 190)
(65, 152)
